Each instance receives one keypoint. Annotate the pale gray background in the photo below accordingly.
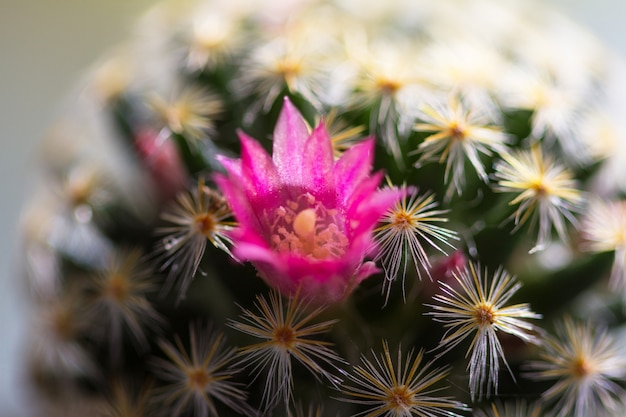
(45, 46)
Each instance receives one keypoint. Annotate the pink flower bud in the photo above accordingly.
(162, 161)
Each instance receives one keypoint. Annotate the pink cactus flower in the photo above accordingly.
(305, 220)
(160, 157)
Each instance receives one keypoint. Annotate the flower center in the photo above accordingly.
(205, 224)
(177, 116)
(539, 187)
(284, 337)
(457, 132)
(63, 324)
(307, 227)
(290, 68)
(400, 397)
(118, 287)
(198, 379)
(388, 86)
(484, 315)
(403, 220)
(581, 368)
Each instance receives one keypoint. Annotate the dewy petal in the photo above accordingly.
(369, 212)
(366, 270)
(323, 282)
(290, 136)
(366, 214)
(257, 166)
(256, 252)
(237, 200)
(354, 166)
(232, 166)
(319, 161)
(237, 188)
(361, 194)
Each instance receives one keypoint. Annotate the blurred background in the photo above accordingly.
(45, 47)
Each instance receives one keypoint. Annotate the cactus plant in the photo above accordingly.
(337, 208)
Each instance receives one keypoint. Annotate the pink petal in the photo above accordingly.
(322, 281)
(232, 166)
(367, 207)
(333, 290)
(250, 236)
(353, 166)
(362, 191)
(235, 194)
(290, 135)
(330, 282)
(255, 252)
(319, 161)
(257, 166)
(366, 270)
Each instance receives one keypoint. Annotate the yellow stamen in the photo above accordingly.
(306, 227)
